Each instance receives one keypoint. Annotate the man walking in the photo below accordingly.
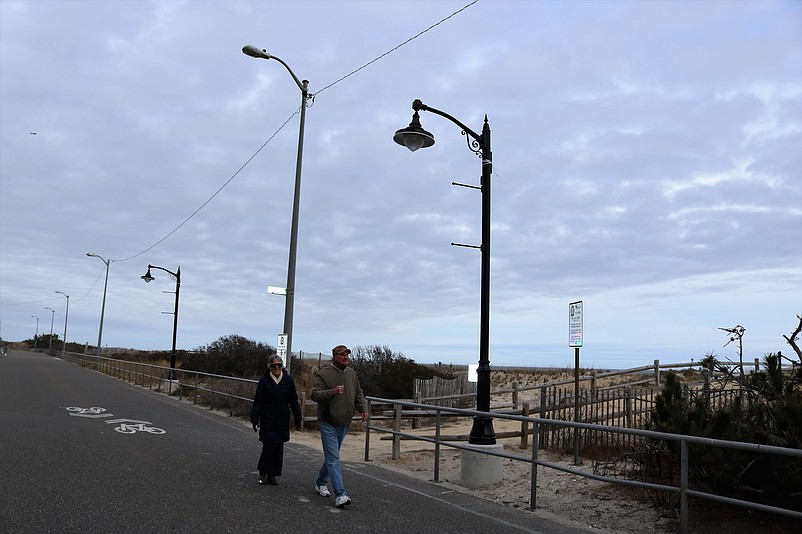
(338, 397)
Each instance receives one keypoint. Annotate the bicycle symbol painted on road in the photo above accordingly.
(129, 426)
(126, 426)
(93, 412)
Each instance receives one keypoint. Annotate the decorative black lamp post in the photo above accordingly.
(177, 277)
(414, 137)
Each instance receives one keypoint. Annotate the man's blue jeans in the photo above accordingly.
(332, 437)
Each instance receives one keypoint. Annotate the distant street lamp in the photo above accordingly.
(102, 307)
(289, 301)
(177, 277)
(52, 316)
(414, 137)
(66, 315)
(36, 336)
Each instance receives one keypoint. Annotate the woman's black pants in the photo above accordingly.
(271, 459)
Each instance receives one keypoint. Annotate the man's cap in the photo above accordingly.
(340, 348)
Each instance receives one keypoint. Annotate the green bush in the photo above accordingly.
(766, 408)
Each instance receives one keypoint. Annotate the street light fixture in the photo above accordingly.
(52, 316)
(289, 301)
(102, 307)
(414, 137)
(177, 277)
(36, 336)
(66, 315)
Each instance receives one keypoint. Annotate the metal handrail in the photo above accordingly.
(683, 490)
(117, 368)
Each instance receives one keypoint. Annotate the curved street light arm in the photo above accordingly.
(417, 105)
(171, 273)
(302, 85)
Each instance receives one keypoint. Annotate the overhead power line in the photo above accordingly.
(312, 96)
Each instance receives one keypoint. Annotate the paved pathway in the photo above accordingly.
(144, 462)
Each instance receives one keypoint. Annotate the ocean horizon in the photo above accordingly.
(597, 356)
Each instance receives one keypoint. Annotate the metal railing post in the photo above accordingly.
(367, 431)
(397, 428)
(437, 446)
(533, 486)
(683, 490)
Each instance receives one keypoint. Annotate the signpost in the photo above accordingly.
(575, 340)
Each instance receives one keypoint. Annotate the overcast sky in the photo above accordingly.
(647, 161)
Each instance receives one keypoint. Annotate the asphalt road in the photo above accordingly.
(68, 471)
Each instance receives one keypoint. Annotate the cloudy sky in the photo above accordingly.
(647, 161)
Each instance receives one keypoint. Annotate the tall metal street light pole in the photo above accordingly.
(102, 307)
(289, 302)
(66, 315)
(52, 316)
(177, 277)
(36, 336)
(414, 137)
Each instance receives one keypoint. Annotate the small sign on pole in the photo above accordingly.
(281, 346)
(275, 290)
(575, 324)
(473, 373)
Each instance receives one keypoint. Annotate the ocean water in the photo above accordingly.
(590, 357)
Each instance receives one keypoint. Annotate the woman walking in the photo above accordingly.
(270, 415)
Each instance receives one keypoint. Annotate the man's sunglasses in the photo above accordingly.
(274, 365)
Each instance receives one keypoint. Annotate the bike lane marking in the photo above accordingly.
(92, 413)
(126, 426)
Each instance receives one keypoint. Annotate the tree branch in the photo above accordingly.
(793, 338)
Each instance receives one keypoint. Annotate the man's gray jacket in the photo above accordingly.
(338, 409)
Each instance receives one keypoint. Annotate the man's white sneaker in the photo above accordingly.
(323, 491)
(342, 501)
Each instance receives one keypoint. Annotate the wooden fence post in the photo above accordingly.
(657, 373)
(628, 406)
(757, 365)
(593, 384)
(515, 395)
(706, 386)
(416, 396)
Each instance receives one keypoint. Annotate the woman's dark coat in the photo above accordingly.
(271, 408)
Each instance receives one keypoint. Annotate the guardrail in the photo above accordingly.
(683, 489)
(215, 391)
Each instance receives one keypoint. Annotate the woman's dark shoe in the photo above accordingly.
(272, 481)
(262, 479)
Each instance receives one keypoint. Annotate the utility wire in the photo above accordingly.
(160, 241)
(311, 98)
(438, 23)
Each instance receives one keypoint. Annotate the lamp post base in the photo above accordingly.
(482, 432)
(479, 469)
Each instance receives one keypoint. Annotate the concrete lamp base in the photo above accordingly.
(479, 469)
